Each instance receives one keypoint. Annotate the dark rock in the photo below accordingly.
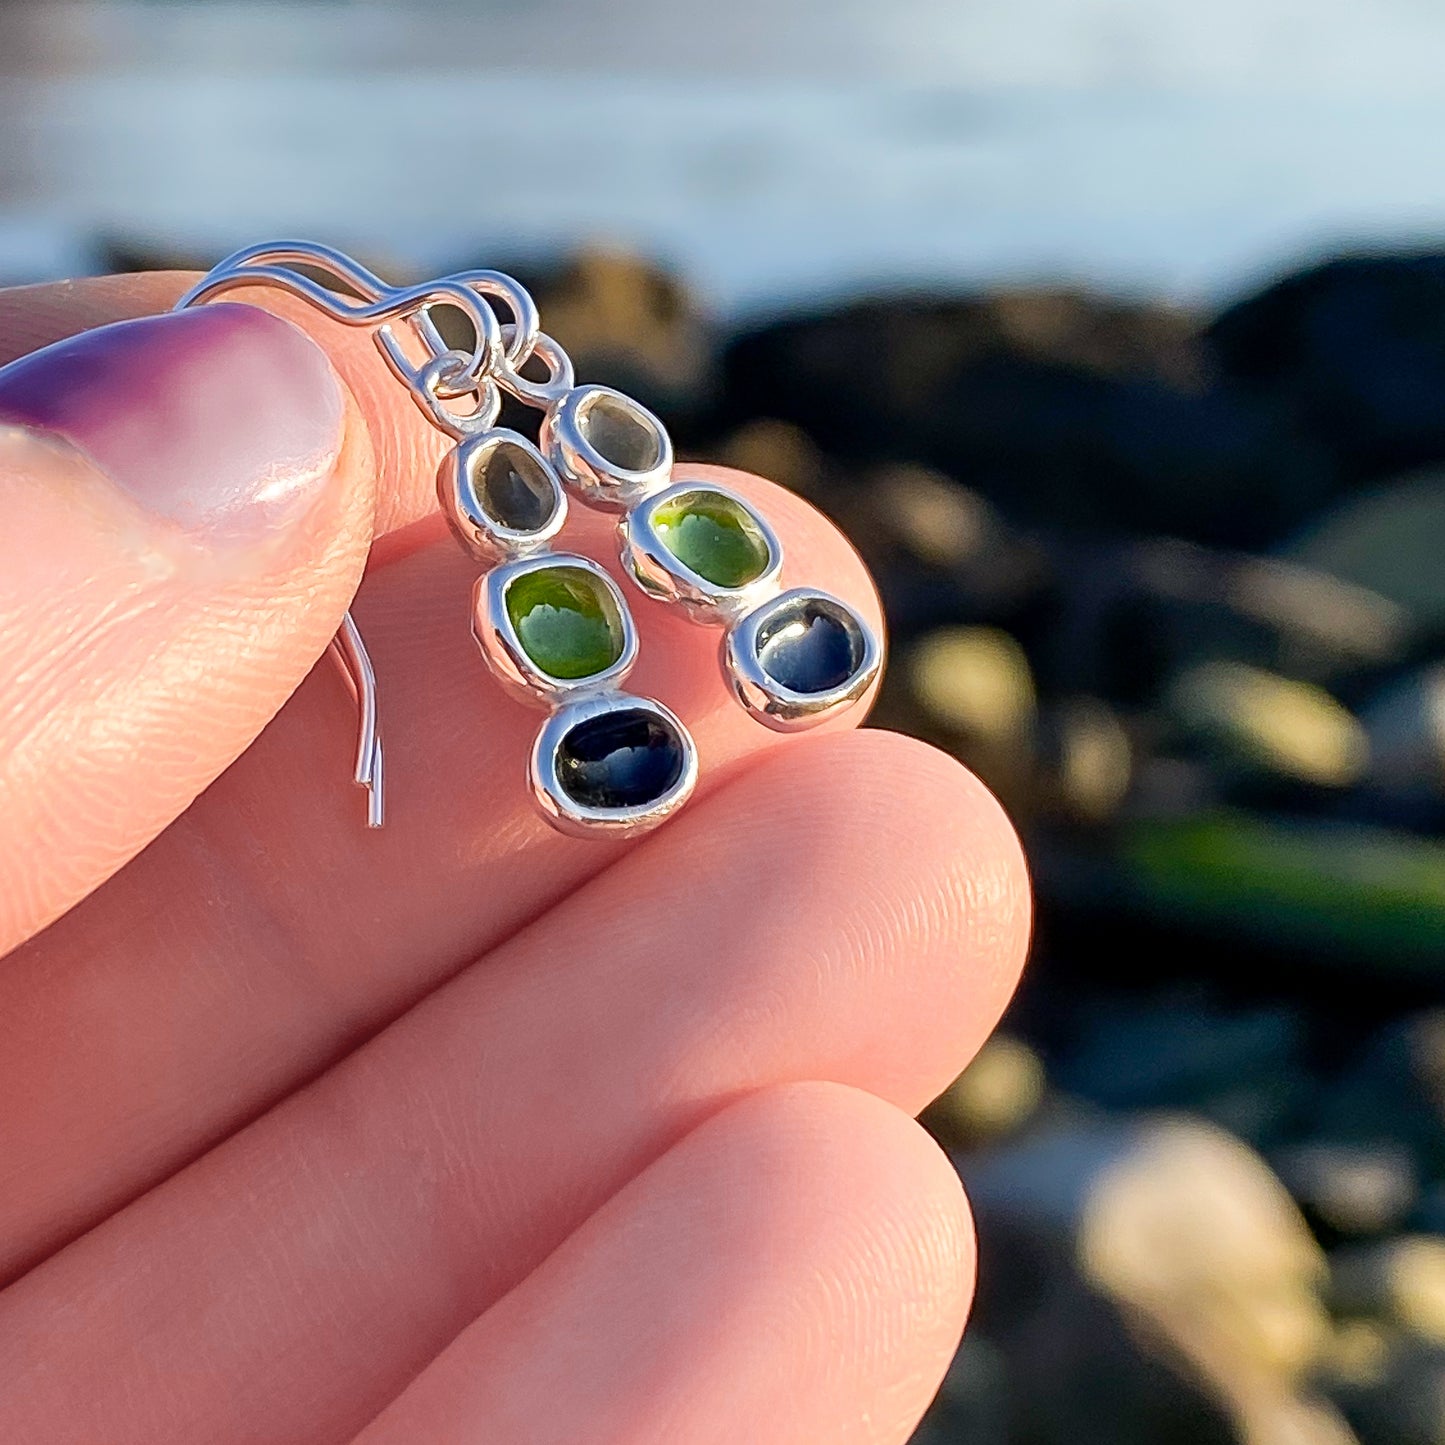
(1396, 1282)
(932, 1430)
(1401, 1401)
(1240, 1068)
(1063, 410)
(630, 324)
(1354, 349)
(624, 321)
(1396, 1090)
(783, 453)
(1429, 1215)
(124, 254)
(973, 1401)
(1130, 616)
(940, 552)
(1389, 541)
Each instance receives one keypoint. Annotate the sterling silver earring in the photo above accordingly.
(554, 627)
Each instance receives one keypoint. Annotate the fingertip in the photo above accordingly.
(986, 876)
(922, 860)
(834, 1142)
(991, 868)
(841, 1203)
(403, 449)
(189, 505)
(925, 803)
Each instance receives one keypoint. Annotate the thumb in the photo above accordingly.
(186, 504)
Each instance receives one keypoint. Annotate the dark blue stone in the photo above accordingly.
(619, 760)
(809, 647)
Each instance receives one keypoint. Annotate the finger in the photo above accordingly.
(186, 516)
(786, 929)
(269, 931)
(405, 447)
(797, 1270)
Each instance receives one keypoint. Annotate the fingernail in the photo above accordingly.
(221, 418)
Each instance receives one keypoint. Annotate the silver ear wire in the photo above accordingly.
(349, 650)
(375, 304)
(358, 298)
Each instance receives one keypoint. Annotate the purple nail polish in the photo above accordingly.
(222, 416)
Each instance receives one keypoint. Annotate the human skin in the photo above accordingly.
(462, 1130)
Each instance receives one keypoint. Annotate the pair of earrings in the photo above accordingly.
(554, 627)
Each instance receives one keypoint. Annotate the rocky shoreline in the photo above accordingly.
(1174, 585)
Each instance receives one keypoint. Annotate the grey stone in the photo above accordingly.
(1350, 1188)
(994, 1097)
(1149, 1280)
(1389, 541)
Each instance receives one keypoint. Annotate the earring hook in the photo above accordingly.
(350, 652)
(267, 265)
(448, 374)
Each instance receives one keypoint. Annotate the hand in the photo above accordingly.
(462, 1131)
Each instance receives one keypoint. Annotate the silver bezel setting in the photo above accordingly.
(663, 575)
(481, 534)
(514, 668)
(779, 707)
(580, 465)
(580, 820)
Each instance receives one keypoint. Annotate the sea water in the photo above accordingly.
(771, 149)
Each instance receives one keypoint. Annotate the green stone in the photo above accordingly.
(714, 536)
(566, 621)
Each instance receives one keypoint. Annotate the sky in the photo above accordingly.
(771, 149)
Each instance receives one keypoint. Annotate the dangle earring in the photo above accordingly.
(791, 658)
(554, 627)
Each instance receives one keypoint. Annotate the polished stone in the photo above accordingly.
(620, 433)
(516, 490)
(809, 646)
(566, 621)
(624, 759)
(714, 536)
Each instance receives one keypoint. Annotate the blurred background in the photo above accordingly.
(1114, 333)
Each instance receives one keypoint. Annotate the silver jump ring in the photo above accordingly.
(537, 393)
(439, 381)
